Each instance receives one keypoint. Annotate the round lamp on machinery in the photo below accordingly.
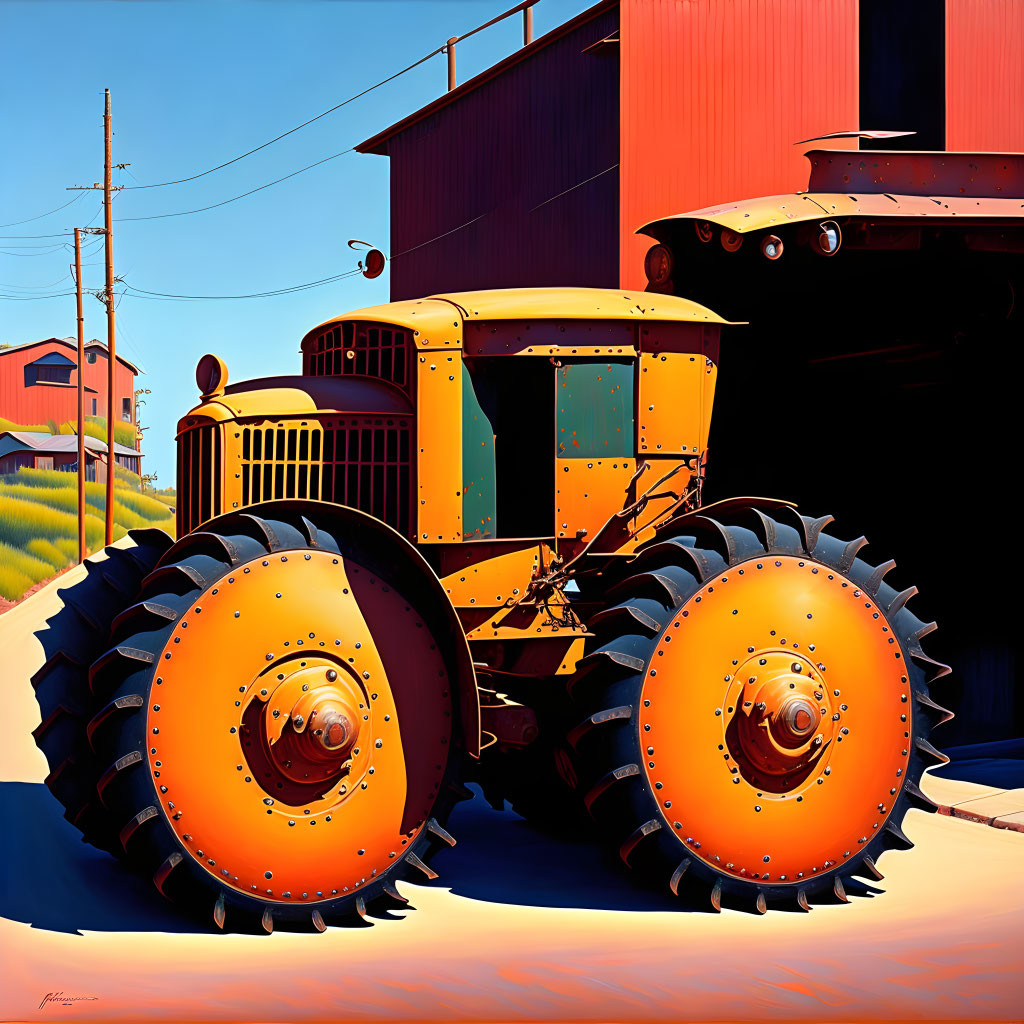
(771, 247)
(211, 375)
(731, 240)
(658, 265)
(828, 240)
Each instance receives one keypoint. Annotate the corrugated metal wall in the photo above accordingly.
(985, 75)
(713, 95)
(502, 153)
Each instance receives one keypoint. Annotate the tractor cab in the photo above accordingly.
(479, 416)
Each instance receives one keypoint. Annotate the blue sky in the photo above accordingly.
(194, 84)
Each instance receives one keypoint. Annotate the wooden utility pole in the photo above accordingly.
(81, 397)
(109, 225)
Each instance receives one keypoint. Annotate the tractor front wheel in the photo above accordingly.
(277, 722)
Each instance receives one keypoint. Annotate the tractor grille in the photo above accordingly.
(360, 461)
(200, 464)
(363, 349)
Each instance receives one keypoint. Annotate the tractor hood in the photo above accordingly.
(292, 396)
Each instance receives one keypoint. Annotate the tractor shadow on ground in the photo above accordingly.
(54, 881)
(500, 858)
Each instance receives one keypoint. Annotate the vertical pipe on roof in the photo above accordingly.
(450, 50)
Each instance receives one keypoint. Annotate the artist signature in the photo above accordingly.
(63, 999)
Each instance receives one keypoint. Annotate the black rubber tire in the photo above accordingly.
(638, 608)
(74, 638)
(134, 822)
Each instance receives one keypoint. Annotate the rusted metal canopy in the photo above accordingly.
(880, 184)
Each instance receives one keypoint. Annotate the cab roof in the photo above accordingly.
(437, 321)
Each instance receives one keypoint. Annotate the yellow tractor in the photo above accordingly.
(467, 543)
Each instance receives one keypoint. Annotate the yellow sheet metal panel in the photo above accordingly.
(588, 492)
(439, 446)
(437, 321)
(578, 304)
(495, 581)
(676, 394)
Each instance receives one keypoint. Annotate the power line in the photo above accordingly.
(34, 298)
(291, 131)
(142, 293)
(32, 287)
(40, 216)
(59, 234)
(203, 209)
(48, 251)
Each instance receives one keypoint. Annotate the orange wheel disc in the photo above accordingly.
(754, 709)
(278, 715)
(277, 743)
(775, 714)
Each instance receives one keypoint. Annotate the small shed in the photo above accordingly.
(23, 449)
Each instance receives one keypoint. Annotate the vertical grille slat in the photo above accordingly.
(200, 465)
(367, 350)
(360, 461)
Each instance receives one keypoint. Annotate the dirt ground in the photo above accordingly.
(519, 926)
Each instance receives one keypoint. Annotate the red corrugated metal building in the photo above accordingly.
(540, 170)
(39, 382)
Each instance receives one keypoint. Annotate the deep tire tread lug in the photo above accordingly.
(623, 713)
(875, 579)
(677, 875)
(607, 781)
(636, 837)
(850, 552)
(436, 830)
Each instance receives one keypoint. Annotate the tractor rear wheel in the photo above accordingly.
(754, 711)
(265, 754)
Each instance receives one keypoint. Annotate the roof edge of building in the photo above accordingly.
(377, 144)
(72, 344)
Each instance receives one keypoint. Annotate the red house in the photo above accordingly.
(39, 382)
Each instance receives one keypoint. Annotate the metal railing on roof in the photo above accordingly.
(449, 47)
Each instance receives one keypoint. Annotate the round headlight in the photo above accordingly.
(731, 240)
(829, 239)
(658, 264)
(211, 375)
(771, 247)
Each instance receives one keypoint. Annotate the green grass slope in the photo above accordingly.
(39, 522)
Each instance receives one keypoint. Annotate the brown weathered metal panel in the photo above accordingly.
(713, 96)
(985, 75)
(515, 182)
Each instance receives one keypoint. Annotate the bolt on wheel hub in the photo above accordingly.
(307, 726)
(781, 702)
